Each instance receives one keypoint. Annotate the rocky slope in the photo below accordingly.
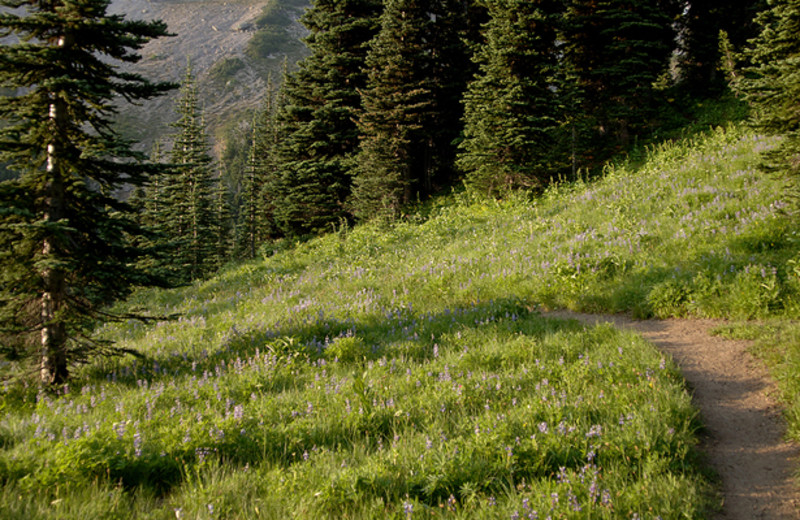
(216, 37)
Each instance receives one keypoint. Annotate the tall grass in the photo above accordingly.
(405, 372)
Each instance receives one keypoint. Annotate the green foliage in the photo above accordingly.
(771, 85)
(701, 53)
(318, 115)
(190, 217)
(512, 111)
(411, 115)
(225, 70)
(616, 51)
(347, 348)
(66, 241)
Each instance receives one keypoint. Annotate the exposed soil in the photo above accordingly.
(745, 431)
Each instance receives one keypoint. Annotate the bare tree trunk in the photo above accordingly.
(54, 366)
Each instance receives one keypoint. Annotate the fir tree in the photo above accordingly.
(221, 226)
(700, 46)
(772, 85)
(321, 101)
(418, 68)
(65, 240)
(189, 214)
(512, 111)
(256, 222)
(398, 105)
(617, 50)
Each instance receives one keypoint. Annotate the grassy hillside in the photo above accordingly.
(406, 373)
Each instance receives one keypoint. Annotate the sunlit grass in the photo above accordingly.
(405, 372)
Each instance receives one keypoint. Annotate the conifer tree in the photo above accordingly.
(189, 208)
(700, 47)
(617, 49)
(151, 212)
(321, 101)
(65, 240)
(512, 110)
(247, 226)
(221, 225)
(398, 105)
(418, 68)
(772, 85)
(256, 222)
(455, 35)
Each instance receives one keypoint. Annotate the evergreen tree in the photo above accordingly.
(247, 227)
(512, 110)
(221, 225)
(151, 213)
(700, 46)
(616, 50)
(418, 68)
(256, 222)
(321, 101)
(65, 240)
(456, 35)
(395, 157)
(189, 210)
(772, 85)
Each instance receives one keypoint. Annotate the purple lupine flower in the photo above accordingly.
(137, 444)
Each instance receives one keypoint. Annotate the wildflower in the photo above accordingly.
(137, 444)
(408, 508)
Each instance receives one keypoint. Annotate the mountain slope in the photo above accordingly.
(227, 45)
(397, 372)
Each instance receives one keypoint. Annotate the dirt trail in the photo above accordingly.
(745, 442)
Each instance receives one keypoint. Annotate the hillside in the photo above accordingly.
(232, 45)
(406, 372)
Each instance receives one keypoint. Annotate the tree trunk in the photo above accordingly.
(54, 362)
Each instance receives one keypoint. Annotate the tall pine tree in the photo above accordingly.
(321, 102)
(256, 222)
(65, 241)
(772, 85)
(701, 24)
(512, 111)
(616, 50)
(188, 194)
(395, 158)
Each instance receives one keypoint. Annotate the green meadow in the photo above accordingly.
(405, 371)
